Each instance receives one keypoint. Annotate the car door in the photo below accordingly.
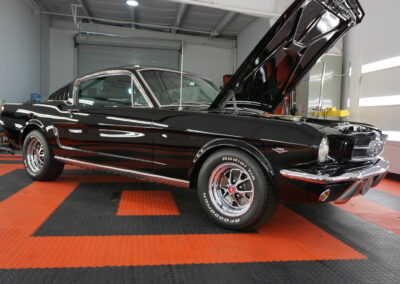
(112, 122)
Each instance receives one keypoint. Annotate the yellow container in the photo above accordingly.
(332, 112)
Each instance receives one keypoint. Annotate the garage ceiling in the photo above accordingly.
(159, 15)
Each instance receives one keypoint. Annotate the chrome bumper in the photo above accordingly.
(6, 149)
(378, 170)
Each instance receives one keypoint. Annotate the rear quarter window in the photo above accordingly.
(61, 94)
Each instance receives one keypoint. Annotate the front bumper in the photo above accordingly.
(378, 169)
(340, 188)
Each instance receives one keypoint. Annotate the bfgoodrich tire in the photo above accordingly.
(39, 159)
(234, 191)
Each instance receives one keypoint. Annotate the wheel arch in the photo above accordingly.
(31, 125)
(222, 144)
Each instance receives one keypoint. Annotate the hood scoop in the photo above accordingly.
(288, 51)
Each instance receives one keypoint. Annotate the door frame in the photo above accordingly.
(75, 98)
(108, 73)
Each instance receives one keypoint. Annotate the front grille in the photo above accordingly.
(368, 146)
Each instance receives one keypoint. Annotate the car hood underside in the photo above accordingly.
(288, 51)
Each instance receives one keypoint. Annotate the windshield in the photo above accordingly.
(166, 87)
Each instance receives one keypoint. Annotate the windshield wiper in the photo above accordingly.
(189, 103)
(243, 109)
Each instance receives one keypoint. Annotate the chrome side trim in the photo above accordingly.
(380, 168)
(132, 173)
(7, 150)
(61, 146)
(283, 144)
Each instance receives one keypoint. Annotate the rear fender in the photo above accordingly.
(30, 126)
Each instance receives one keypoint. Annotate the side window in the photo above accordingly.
(138, 99)
(111, 91)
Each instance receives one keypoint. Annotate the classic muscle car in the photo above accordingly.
(227, 144)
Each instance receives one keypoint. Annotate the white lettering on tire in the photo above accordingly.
(216, 215)
(241, 163)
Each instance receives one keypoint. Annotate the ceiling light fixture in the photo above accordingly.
(132, 3)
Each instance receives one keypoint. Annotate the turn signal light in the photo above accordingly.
(325, 195)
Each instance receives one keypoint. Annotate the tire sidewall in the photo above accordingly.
(47, 153)
(258, 178)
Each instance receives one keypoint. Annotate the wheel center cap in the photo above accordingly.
(231, 189)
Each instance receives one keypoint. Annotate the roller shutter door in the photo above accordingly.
(92, 57)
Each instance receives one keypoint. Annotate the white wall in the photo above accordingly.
(376, 38)
(45, 56)
(207, 61)
(62, 58)
(258, 8)
(20, 51)
(250, 37)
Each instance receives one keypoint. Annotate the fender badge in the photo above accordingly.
(280, 150)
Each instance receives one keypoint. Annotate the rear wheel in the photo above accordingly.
(39, 159)
(234, 191)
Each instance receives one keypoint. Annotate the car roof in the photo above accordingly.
(134, 68)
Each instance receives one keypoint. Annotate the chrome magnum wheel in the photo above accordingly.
(39, 159)
(231, 189)
(35, 155)
(234, 191)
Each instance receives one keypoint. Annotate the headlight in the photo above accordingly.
(323, 151)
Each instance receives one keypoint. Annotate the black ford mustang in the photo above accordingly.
(137, 121)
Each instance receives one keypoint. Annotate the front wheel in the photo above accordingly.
(234, 191)
(39, 159)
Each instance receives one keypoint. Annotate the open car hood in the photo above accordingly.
(292, 46)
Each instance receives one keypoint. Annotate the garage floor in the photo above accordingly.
(88, 227)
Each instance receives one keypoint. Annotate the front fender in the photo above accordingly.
(223, 143)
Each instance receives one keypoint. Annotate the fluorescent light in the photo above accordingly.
(380, 101)
(393, 135)
(133, 3)
(381, 65)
